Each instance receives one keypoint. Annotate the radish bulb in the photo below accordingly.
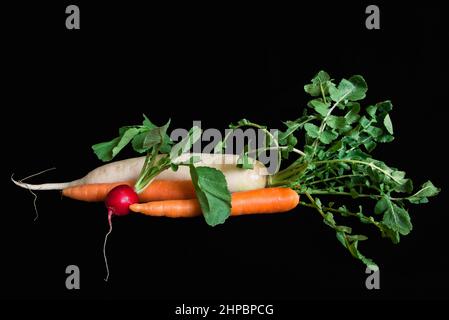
(119, 199)
(117, 202)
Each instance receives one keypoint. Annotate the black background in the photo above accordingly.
(65, 90)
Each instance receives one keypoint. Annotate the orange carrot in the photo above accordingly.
(268, 200)
(157, 190)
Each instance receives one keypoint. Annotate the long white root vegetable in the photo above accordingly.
(129, 169)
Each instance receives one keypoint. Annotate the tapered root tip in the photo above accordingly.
(18, 183)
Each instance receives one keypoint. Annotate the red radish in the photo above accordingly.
(117, 202)
(119, 199)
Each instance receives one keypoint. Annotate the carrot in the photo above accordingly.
(268, 200)
(157, 190)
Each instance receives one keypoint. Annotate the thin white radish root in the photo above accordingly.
(31, 191)
(104, 245)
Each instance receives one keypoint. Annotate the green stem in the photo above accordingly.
(359, 195)
(337, 178)
(151, 169)
(322, 92)
(376, 223)
(369, 164)
(341, 193)
(289, 175)
(301, 153)
(314, 205)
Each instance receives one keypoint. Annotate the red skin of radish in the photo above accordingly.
(119, 199)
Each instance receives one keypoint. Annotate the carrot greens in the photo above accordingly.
(335, 164)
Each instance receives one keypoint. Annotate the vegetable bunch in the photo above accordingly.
(333, 168)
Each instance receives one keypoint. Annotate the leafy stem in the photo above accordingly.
(353, 161)
(345, 212)
(322, 91)
(258, 150)
(342, 193)
(336, 178)
(315, 205)
(324, 121)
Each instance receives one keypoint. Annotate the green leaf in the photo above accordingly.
(336, 122)
(319, 106)
(353, 89)
(364, 122)
(292, 126)
(336, 146)
(421, 196)
(360, 86)
(381, 206)
(147, 123)
(312, 130)
(155, 136)
(385, 138)
(103, 150)
(127, 136)
(374, 132)
(124, 140)
(344, 229)
(370, 145)
(351, 243)
(106, 151)
(320, 80)
(343, 90)
(356, 237)
(396, 218)
(404, 185)
(384, 107)
(342, 238)
(353, 115)
(388, 124)
(292, 141)
(328, 136)
(371, 110)
(312, 89)
(357, 254)
(329, 219)
(389, 233)
(137, 142)
(212, 192)
(321, 76)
